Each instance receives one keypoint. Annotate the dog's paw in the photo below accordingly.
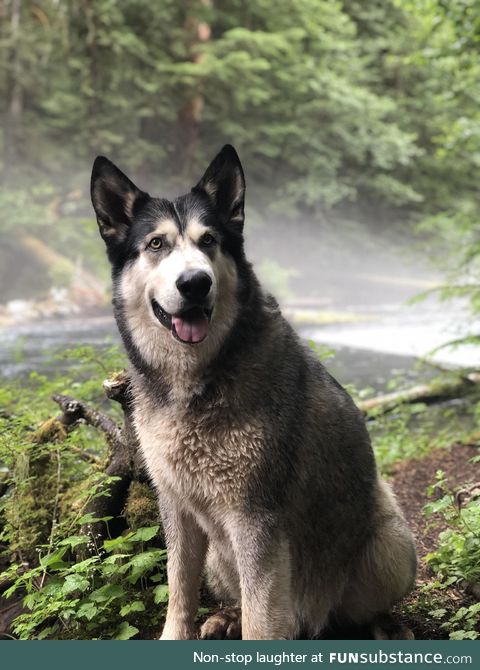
(384, 627)
(224, 625)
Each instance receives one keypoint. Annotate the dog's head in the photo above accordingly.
(174, 262)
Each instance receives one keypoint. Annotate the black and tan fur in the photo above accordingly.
(265, 475)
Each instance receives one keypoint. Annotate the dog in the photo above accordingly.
(265, 474)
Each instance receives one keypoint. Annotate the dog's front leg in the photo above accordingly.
(263, 558)
(186, 550)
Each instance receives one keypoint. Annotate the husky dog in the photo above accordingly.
(265, 474)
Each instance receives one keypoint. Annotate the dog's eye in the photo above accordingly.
(207, 240)
(155, 244)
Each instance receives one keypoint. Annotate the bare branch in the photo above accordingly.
(76, 410)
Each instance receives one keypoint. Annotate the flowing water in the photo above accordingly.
(373, 340)
(33, 346)
(357, 292)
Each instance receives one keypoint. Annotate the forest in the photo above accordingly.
(358, 125)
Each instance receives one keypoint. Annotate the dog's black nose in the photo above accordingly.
(194, 284)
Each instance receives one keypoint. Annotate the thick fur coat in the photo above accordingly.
(265, 474)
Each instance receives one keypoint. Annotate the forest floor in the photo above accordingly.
(410, 480)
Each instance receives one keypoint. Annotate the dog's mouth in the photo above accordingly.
(189, 326)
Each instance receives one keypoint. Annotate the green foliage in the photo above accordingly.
(456, 561)
(121, 78)
(442, 70)
(414, 430)
(71, 586)
(458, 556)
(322, 351)
(328, 103)
(102, 596)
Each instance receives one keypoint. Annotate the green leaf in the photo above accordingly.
(160, 594)
(74, 541)
(464, 635)
(90, 518)
(107, 592)
(54, 560)
(141, 564)
(111, 560)
(438, 614)
(145, 534)
(121, 542)
(83, 565)
(29, 600)
(136, 606)
(45, 632)
(87, 611)
(125, 631)
(75, 582)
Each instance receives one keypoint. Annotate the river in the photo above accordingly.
(373, 347)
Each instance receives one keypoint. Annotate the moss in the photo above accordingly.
(141, 508)
(29, 511)
(51, 430)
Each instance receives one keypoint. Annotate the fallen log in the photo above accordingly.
(123, 464)
(436, 391)
(122, 458)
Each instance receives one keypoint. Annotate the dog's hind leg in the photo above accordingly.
(384, 573)
(385, 627)
(186, 550)
(221, 572)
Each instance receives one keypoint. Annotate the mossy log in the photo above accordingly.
(436, 391)
(123, 464)
(131, 499)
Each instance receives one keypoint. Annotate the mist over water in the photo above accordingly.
(342, 284)
(341, 264)
(364, 280)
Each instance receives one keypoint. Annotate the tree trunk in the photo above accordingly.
(14, 108)
(190, 114)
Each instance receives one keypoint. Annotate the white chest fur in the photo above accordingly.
(206, 459)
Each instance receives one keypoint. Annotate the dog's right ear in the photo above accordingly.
(115, 199)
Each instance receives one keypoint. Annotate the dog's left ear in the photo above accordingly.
(224, 184)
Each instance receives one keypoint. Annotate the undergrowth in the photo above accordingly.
(456, 560)
(413, 430)
(73, 585)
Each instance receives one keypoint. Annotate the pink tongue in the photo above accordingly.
(192, 330)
